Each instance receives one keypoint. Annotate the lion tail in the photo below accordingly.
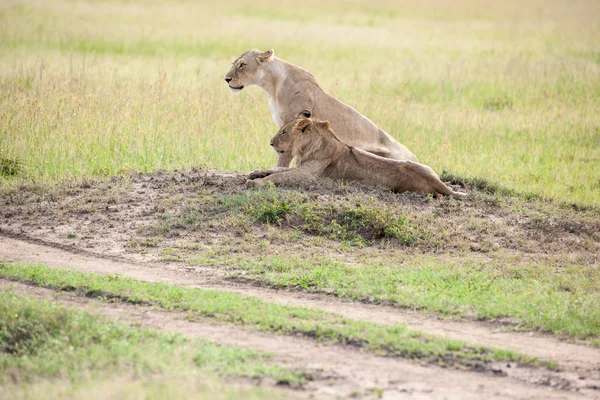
(441, 188)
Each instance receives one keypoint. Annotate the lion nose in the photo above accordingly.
(228, 80)
(271, 143)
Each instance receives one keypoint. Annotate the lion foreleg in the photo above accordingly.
(291, 175)
(262, 173)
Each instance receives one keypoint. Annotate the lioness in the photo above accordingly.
(320, 153)
(293, 90)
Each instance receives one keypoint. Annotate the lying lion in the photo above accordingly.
(293, 90)
(319, 152)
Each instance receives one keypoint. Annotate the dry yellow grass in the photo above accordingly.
(506, 91)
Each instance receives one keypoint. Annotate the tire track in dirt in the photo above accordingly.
(580, 365)
(338, 371)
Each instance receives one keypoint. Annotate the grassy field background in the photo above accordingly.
(506, 91)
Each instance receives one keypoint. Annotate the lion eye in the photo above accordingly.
(241, 66)
(283, 133)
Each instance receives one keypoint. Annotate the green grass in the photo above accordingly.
(255, 313)
(170, 386)
(540, 296)
(64, 349)
(106, 89)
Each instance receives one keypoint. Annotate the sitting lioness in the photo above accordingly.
(293, 90)
(319, 152)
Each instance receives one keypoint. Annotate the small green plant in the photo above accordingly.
(170, 254)
(72, 235)
(9, 166)
(142, 243)
(268, 206)
(551, 365)
(498, 103)
(271, 213)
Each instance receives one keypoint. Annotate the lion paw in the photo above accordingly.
(259, 173)
(254, 183)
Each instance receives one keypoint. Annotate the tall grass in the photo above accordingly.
(509, 92)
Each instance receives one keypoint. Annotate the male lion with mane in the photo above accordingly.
(293, 90)
(319, 152)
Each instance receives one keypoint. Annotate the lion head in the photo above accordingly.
(301, 136)
(246, 69)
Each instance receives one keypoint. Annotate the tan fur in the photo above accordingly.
(319, 152)
(293, 90)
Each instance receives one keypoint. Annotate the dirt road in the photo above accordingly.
(337, 370)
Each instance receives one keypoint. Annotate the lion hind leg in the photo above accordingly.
(378, 151)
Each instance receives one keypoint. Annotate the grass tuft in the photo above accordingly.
(269, 207)
(498, 103)
(10, 167)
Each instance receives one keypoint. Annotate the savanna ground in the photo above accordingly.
(130, 268)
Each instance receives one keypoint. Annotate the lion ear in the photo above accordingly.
(304, 113)
(303, 124)
(265, 57)
(324, 124)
